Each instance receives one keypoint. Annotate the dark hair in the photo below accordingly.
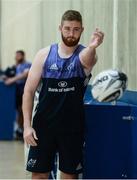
(71, 15)
(21, 52)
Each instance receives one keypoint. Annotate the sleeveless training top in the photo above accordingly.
(60, 107)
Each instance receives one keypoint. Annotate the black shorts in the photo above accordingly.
(69, 147)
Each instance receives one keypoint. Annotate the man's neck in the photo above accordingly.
(20, 62)
(65, 51)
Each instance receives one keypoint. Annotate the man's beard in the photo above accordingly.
(19, 61)
(70, 41)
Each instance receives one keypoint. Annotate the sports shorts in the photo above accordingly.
(69, 146)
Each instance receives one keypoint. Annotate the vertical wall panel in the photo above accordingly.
(127, 44)
(20, 28)
(0, 35)
(33, 24)
(99, 14)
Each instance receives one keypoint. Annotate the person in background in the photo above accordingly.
(1, 74)
(22, 69)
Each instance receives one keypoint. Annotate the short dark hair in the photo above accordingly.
(71, 15)
(21, 52)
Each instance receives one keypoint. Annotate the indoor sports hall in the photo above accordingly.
(68, 89)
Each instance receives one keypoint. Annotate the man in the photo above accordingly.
(22, 68)
(58, 123)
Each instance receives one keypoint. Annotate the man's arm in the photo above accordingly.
(21, 76)
(29, 92)
(88, 56)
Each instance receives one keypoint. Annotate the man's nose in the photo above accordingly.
(71, 33)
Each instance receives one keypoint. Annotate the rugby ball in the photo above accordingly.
(109, 85)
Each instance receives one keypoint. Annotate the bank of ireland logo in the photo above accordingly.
(62, 84)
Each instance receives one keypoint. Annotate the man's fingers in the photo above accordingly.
(27, 142)
(35, 136)
(97, 30)
(31, 141)
(101, 35)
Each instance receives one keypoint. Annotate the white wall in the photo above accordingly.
(33, 24)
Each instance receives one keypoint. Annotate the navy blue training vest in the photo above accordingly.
(60, 107)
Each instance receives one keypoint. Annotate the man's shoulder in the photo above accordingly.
(44, 51)
(27, 62)
(82, 45)
(41, 56)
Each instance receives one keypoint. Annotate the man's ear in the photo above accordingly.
(82, 29)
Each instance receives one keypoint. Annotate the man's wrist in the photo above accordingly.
(16, 78)
(91, 47)
(26, 125)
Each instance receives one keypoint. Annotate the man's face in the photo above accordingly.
(19, 58)
(71, 32)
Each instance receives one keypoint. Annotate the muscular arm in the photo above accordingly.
(88, 56)
(21, 76)
(31, 85)
(29, 92)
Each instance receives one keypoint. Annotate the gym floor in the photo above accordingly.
(12, 160)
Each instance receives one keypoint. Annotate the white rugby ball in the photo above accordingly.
(109, 85)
